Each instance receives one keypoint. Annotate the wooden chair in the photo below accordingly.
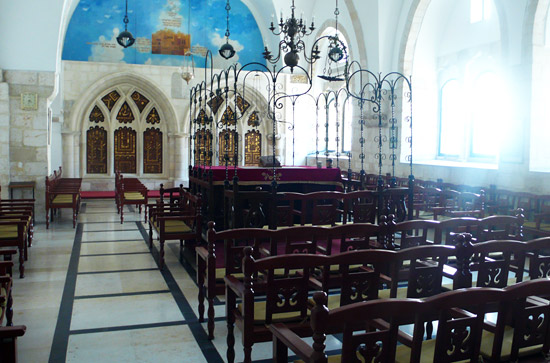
(411, 233)
(178, 218)
(8, 332)
(359, 207)
(361, 343)
(13, 233)
(284, 298)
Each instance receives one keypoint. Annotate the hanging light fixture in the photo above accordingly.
(293, 31)
(188, 69)
(227, 51)
(125, 38)
(336, 52)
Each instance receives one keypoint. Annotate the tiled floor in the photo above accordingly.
(96, 294)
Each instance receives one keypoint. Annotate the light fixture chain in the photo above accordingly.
(227, 8)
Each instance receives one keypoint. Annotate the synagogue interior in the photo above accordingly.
(274, 180)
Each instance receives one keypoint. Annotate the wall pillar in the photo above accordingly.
(180, 160)
(68, 154)
(4, 136)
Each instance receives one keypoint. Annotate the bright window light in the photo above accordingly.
(453, 121)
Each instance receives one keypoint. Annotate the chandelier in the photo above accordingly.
(336, 52)
(226, 50)
(125, 38)
(293, 31)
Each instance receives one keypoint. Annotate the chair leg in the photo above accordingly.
(161, 254)
(211, 314)
(200, 282)
(150, 236)
(229, 306)
(121, 213)
(9, 310)
(47, 218)
(21, 260)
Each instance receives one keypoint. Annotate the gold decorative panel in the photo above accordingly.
(152, 151)
(227, 147)
(252, 147)
(203, 143)
(254, 119)
(228, 117)
(96, 150)
(153, 117)
(125, 114)
(125, 150)
(202, 119)
(215, 104)
(140, 100)
(96, 115)
(110, 99)
(242, 104)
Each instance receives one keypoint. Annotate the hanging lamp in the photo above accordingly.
(125, 38)
(227, 51)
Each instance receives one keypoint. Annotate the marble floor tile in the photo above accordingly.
(113, 247)
(124, 310)
(166, 344)
(115, 263)
(111, 235)
(90, 227)
(118, 283)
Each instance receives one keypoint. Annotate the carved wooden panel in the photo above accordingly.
(252, 147)
(96, 150)
(203, 147)
(254, 119)
(215, 104)
(153, 117)
(242, 104)
(228, 117)
(140, 100)
(125, 114)
(96, 115)
(227, 146)
(125, 150)
(152, 151)
(110, 99)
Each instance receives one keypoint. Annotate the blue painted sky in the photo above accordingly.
(96, 23)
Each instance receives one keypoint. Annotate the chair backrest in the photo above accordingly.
(500, 227)
(412, 233)
(446, 229)
(360, 206)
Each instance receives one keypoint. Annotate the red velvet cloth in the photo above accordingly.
(283, 175)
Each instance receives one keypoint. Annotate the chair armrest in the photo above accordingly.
(234, 284)
(291, 340)
(202, 252)
(12, 331)
(10, 251)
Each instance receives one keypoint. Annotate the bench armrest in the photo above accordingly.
(12, 331)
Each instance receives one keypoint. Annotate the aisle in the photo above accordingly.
(96, 294)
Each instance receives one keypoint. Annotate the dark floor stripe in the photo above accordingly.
(83, 207)
(210, 352)
(60, 342)
(122, 294)
(116, 271)
(116, 254)
(128, 327)
(111, 231)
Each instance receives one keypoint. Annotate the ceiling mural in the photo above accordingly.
(163, 32)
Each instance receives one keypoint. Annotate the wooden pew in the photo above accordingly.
(13, 233)
(178, 218)
(461, 310)
(62, 193)
(8, 332)
(129, 191)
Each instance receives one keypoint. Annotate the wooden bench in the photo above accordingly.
(176, 218)
(129, 191)
(460, 311)
(62, 193)
(8, 332)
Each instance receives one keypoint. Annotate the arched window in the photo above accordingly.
(125, 131)
(452, 123)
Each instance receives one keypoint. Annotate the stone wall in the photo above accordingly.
(4, 136)
(27, 151)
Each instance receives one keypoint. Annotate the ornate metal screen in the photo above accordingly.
(96, 150)
(203, 147)
(152, 151)
(252, 147)
(227, 147)
(125, 150)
